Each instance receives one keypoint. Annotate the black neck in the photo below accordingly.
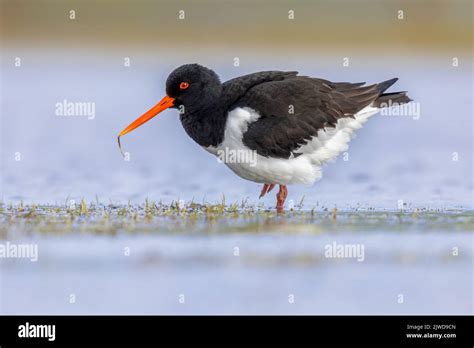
(205, 125)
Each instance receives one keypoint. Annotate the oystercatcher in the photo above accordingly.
(292, 124)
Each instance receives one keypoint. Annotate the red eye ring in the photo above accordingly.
(183, 85)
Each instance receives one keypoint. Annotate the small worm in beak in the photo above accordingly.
(120, 146)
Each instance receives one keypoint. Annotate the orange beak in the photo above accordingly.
(164, 104)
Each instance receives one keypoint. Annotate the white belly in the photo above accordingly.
(304, 169)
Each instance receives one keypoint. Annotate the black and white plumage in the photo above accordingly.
(295, 124)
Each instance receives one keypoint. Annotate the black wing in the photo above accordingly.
(294, 108)
(236, 88)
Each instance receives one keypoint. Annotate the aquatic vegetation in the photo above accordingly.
(192, 217)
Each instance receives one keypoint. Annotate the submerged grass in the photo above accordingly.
(191, 218)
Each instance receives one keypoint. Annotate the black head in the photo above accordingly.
(193, 85)
(196, 88)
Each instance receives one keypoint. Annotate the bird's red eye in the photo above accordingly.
(183, 85)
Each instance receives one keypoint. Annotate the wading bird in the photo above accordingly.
(294, 124)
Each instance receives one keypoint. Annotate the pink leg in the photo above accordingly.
(265, 189)
(281, 197)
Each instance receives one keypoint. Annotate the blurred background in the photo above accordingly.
(47, 158)
(116, 56)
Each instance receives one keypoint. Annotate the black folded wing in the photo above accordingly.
(294, 108)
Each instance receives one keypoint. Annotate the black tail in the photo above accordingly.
(386, 99)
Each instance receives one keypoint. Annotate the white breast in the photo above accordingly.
(304, 169)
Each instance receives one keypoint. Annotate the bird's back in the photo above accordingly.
(296, 123)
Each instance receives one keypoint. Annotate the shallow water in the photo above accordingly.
(395, 163)
(143, 259)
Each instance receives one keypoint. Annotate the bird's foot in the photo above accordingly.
(265, 189)
(281, 197)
